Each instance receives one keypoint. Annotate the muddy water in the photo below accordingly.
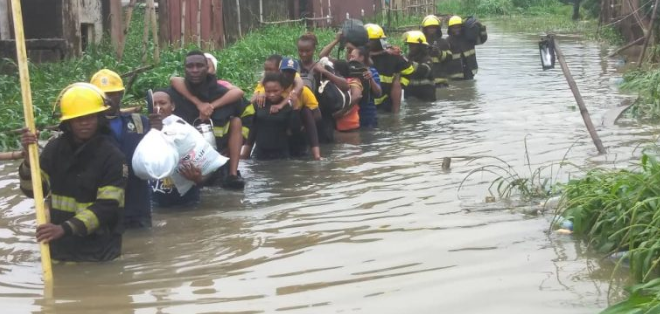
(378, 227)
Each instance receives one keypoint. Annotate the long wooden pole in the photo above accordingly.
(648, 34)
(154, 30)
(578, 98)
(635, 42)
(127, 25)
(33, 150)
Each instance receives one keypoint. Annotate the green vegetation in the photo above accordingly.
(620, 211)
(646, 82)
(240, 64)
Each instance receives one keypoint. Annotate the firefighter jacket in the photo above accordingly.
(388, 66)
(441, 56)
(463, 64)
(422, 83)
(85, 184)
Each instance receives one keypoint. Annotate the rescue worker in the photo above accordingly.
(128, 130)
(463, 37)
(440, 50)
(422, 85)
(224, 106)
(84, 172)
(393, 69)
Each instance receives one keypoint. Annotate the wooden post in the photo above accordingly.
(238, 15)
(218, 24)
(648, 35)
(4, 21)
(145, 34)
(116, 25)
(71, 27)
(127, 25)
(164, 22)
(33, 150)
(634, 42)
(578, 98)
(154, 30)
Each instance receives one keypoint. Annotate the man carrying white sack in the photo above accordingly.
(165, 192)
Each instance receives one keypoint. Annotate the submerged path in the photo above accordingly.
(378, 227)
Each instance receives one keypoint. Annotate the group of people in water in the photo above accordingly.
(93, 193)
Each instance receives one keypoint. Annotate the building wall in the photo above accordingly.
(91, 13)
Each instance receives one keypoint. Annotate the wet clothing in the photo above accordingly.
(86, 186)
(165, 194)
(209, 91)
(128, 130)
(463, 65)
(422, 84)
(388, 66)
(269, 132)
(367, 112)
(440, 56)
(351, 119)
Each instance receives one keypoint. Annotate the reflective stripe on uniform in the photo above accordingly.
(137, 120)
(405, 81)
(457, 76)
(386, 79)
(441, 80)
(407, 71)
(421, 82)
(466, 54)
(112, 193)
(249, 111)
(380, 100)
(435, 60)
(67, 204)
(89, 219)
(220, 131)
(245, 131)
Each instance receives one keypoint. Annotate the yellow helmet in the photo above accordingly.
(414, 37)
(108, 81)
(431, 20)
(455, 20)
(374, 31)
(80, 99)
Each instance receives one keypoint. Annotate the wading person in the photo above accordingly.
(440, 50)
(463, 37)
(272, 124)
(393, 69)
(84, 172)
(128, 130)
(223, 106)
(164, 191)
(422, 85)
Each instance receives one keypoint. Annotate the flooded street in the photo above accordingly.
(377, 227)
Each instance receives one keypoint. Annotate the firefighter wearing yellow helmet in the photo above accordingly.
(440, 50)
(84, 173)
(128, 130)
(393, 68)
(422, 85)
(464, 35)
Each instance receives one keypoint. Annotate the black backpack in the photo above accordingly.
(472, 29)
(331, 98)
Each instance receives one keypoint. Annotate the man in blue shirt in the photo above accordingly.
(128, 130)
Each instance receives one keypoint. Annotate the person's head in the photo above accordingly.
(273, 86)
(163, 103)
(431, 26)
(376, 36)
(196, 67)
(341, 68)
(212, 63)
(289, 68)
(272, 63)
(306, 47)
(416, 41)
(360, 54)
(455, 25)
(82, 109)
(112, 85)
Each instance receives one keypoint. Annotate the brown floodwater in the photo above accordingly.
(377, 227)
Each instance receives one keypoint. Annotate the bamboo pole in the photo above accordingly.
(648, 35)
(33, 150)
(145, 35)
(578, 98)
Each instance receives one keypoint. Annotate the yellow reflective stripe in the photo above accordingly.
(245, 131)
(408, 70)
(249, 111)
(457, 75)
(380, 100)
(440, 80)
(421, 82)
(386, 79)
(469, 53)
(405, 81)
(67, 204)
(435, 60)
(89, 219)
(112, 193)
(455, 56)
(220, 131)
